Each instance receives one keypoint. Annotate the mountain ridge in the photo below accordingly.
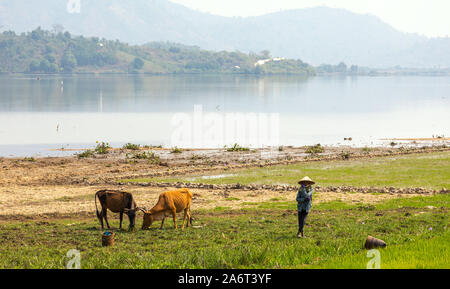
(316, 35)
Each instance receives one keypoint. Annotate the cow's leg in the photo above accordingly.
(185, 218)
(162, 223)
(189, 221)
(105, 215)
(188, 208)
(174, 214)
(121, 220)
(100, 218)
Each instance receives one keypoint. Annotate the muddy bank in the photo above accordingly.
(127, 164)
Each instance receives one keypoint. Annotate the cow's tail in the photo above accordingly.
(190, 200)
(96, 208)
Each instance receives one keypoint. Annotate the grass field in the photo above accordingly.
(422, 254)
(262, 233)
(262, 236)
(421, 170)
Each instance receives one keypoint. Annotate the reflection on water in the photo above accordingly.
(77, 110)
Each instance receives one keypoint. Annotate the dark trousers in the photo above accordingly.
(301, 220)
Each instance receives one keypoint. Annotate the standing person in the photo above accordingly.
(304, 203)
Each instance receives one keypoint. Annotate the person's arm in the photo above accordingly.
(309, 195)
(300, 196)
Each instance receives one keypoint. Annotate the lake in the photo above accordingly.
(74, 112)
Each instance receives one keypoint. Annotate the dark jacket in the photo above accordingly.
(304, 199)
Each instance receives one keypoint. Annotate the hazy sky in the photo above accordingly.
(427, 17)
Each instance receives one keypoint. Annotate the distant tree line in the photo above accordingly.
(343, 68)
(41, 51)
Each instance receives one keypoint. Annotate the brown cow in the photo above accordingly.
(170, 203)
(116, 202)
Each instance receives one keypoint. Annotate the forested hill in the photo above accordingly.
(42, 51)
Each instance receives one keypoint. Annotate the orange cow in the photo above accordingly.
(170, 203)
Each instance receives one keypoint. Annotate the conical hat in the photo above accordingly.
(307, 180)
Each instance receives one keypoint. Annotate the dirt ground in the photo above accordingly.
(36, 188)
(39, 201)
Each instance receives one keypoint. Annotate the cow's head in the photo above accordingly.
(148, 219)
(131, 213)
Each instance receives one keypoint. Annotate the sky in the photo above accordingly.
(426, 17)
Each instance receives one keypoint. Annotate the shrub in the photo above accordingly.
(86, 154)
(176, 150)
(366, 150)
(345, 155)
(130, 146)
(102, 148)
(151, 156)
(237, 148)
(317, 149)
(152, 147)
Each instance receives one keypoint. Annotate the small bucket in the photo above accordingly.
(372, 243)
(108, 239)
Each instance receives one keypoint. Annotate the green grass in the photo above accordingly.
(418, 202)
(430, 170)
(257, 237)
(421, 254)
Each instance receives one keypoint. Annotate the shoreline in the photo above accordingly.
(414, 144)
(375, 72)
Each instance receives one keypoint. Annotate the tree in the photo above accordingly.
(138, 63)
(44, 66)
(9, 33)
(34, 66)
(259, 70)
(174, 49)
(342, 67)
(37, 34)
(50, 58)
(53, 68)
(68, 62)
(266, 54)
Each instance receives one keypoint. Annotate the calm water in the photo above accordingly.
(75, 112)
